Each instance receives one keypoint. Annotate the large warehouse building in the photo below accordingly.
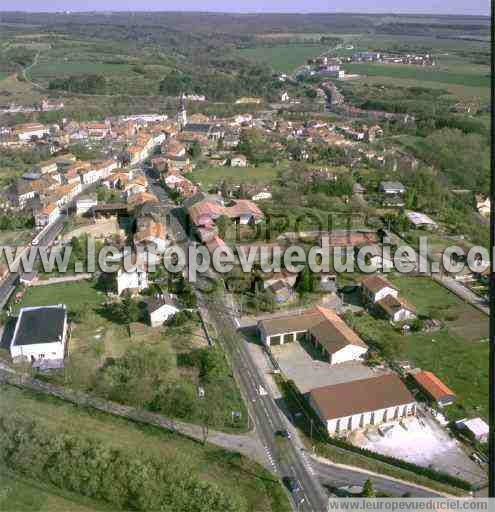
(359, 403)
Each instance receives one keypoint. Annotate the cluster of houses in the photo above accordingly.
(53, 184)
(418, 59)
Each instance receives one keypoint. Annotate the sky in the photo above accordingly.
(380, 6)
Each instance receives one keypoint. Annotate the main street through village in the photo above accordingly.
(266, 415)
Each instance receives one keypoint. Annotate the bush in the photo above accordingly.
(85, 466)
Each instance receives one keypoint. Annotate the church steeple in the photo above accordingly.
(182, 112)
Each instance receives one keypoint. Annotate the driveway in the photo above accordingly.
(308, 372)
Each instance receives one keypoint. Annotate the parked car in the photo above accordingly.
(292, 484)
(283, 433)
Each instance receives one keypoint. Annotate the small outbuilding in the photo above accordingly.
(476, 427)
(434, 388)
(160, 309)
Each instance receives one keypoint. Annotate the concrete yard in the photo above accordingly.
(427, 444)
(308, 373)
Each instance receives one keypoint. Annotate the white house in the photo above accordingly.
(376, 287)
(336, 341)
(135, 280)
(40, 333)
(85, 203)
(354, 405)
(25, 132)
(238, 161)
(396, 309)
(483, 205)
(160, 309)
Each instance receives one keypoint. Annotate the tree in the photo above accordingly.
(223, 225)
(306, 281)
(368, 489)
(130, 310)
(195, 150)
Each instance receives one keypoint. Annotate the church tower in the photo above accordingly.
(182, 112)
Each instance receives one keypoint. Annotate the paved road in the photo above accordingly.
(463, 292)
(9, 284)
(292, 460)
(263, 410)
(335, 476)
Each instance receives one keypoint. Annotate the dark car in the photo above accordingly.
(291, 483)
(283, 433)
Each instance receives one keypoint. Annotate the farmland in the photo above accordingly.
(283, 58)
(49, 69)
(473, 79)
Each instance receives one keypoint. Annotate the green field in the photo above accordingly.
(55, 69)
(283, 58)
(457, 353)
(209, 176)
(474, 79)
(18, 493)
(231, 472)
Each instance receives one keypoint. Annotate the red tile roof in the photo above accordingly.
(433, 385)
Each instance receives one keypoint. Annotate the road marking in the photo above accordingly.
(237, 322)
(270, 456)
(307, 464)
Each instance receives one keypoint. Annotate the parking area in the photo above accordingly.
(424, 442)
(309, 373)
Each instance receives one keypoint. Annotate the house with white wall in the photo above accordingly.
(376, 287)
(133, 280)
(40, 333)
(160, 309)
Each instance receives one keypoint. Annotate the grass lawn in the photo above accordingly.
(18, 493)
(231, 472)
(15, 237)
(283, 58)
(457, 353)
(208, 176)
(436, 301)
(74, 295)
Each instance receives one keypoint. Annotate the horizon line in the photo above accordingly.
(241, 12)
